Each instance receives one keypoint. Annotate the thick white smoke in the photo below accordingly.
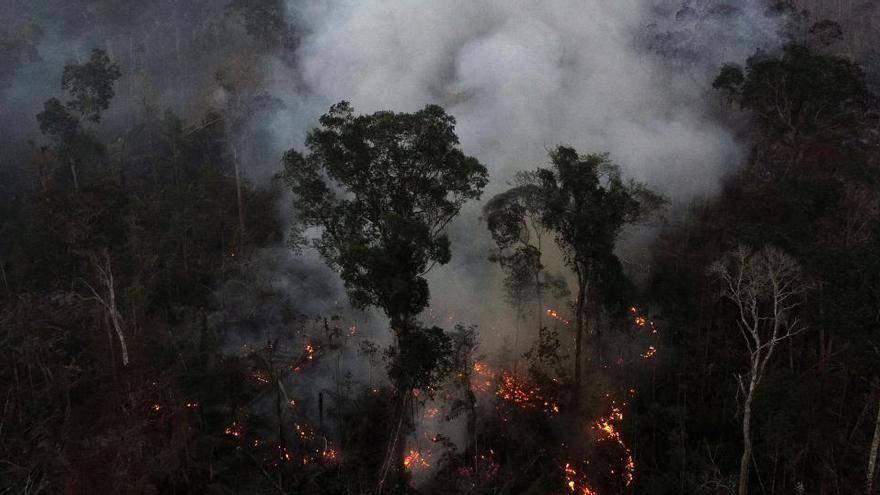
(630, 77)
(522, 76)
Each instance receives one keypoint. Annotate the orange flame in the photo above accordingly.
(575, 482)
(605, 426)
(415, 460)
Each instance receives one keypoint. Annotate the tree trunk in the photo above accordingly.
(872, 457)
(540, 298)
(73, 174)
(578, 341)
(747, 431)
(241, 231)
(115, 317)
(3, 277)
(471, 449)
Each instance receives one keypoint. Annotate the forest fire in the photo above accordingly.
(483, 378)
(309, 354)
(552, 313)
(608, 431)
(640, 321)
(330, 455)
(576, 482)
(414, 460)
(234, 430)
(518, 391)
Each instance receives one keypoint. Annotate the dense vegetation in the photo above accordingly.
(138, 267)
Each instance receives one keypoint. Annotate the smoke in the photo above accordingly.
(629, 77)
(632, 78)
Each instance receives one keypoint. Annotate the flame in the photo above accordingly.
(552, 313)
(156, 407)
(605, 426)
(518, 391)
(575, 482)
(415, 460)
(483, 378)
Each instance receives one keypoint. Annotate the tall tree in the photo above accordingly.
(766, 287)
(91, 87)
(797, 94)
(585, 203)
(514, 221)
(381, 189)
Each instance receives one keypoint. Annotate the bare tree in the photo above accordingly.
(108, 300)
(766, 286)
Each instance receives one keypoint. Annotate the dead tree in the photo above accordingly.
(108, 299)
(766, 286)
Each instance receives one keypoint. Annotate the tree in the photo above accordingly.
(585, 203)
(799, 93)
(381, 189)
(514, 221)
(765, 286)
(91, 86)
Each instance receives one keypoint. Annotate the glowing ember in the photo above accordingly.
(575, 482)
(648, 354)
(192, 405)
(552, 313)
(483, 378)
(284, 454)
(641, 321)
(415, 460)
(605, 426)
(432, 412)
(234, 430)
(518, 391)
(329, 455)
(156, 407)
(260, 377)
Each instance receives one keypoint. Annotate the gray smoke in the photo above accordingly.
(630, 77)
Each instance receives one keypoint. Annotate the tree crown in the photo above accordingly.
(382, 188)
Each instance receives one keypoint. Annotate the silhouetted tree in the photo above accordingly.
(584, 203)
(381, 189)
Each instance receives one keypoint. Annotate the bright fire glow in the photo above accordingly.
(415, 460)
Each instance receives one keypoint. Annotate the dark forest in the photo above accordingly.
(453, 247)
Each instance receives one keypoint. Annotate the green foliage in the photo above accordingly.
(421, 359)
(91, 85)
(382, 188)
(798, 92)
(586, 203)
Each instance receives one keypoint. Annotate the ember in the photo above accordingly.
(415, 460)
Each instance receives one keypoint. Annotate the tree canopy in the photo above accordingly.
(382, 188)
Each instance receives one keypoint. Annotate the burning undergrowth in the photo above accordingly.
(313, 372)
